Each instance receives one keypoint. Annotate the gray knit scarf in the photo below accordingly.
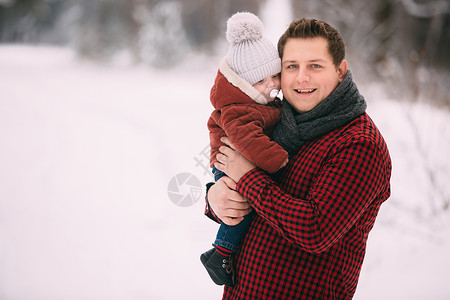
(341, 107)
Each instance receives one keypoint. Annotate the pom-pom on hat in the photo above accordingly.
(250, 55)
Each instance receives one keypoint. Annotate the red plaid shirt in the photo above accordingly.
(309, 237)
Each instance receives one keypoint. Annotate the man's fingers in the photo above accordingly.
(227, 141)
(231, 194)
(229, 182)
(238, 213)
(239, 205)
(236, 197)
(225, 151)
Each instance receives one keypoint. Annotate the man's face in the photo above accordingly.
(308, 74)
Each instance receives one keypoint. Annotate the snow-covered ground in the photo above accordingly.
(86, 157)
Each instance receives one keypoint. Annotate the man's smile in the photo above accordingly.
(306, 91)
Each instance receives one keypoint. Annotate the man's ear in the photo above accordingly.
(342, 70)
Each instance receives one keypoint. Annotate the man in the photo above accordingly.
(308, 238)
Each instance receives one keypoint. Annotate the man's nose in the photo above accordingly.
(303, 75)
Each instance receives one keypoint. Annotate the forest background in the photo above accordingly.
(103, 106)
(404, 44)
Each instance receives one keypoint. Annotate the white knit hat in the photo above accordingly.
(250, 55)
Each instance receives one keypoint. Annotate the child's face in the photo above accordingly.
(268, 84)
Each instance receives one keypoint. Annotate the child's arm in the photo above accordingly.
(244, 127)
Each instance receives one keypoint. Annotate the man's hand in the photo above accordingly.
(227, 204)
(231, 161)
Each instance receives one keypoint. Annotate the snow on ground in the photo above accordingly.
(86, 157)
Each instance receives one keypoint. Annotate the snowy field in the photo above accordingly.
(86, 156)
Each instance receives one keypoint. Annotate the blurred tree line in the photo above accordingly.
(406, 42)
(159, 32)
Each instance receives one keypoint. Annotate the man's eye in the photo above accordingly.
(291, 66)
(315, 66)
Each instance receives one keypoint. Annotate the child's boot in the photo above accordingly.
(219, 267)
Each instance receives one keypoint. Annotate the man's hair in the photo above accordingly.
(310, 28)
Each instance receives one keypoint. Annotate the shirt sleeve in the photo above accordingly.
(347, 183)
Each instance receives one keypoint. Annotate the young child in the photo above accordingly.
(246, 109)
